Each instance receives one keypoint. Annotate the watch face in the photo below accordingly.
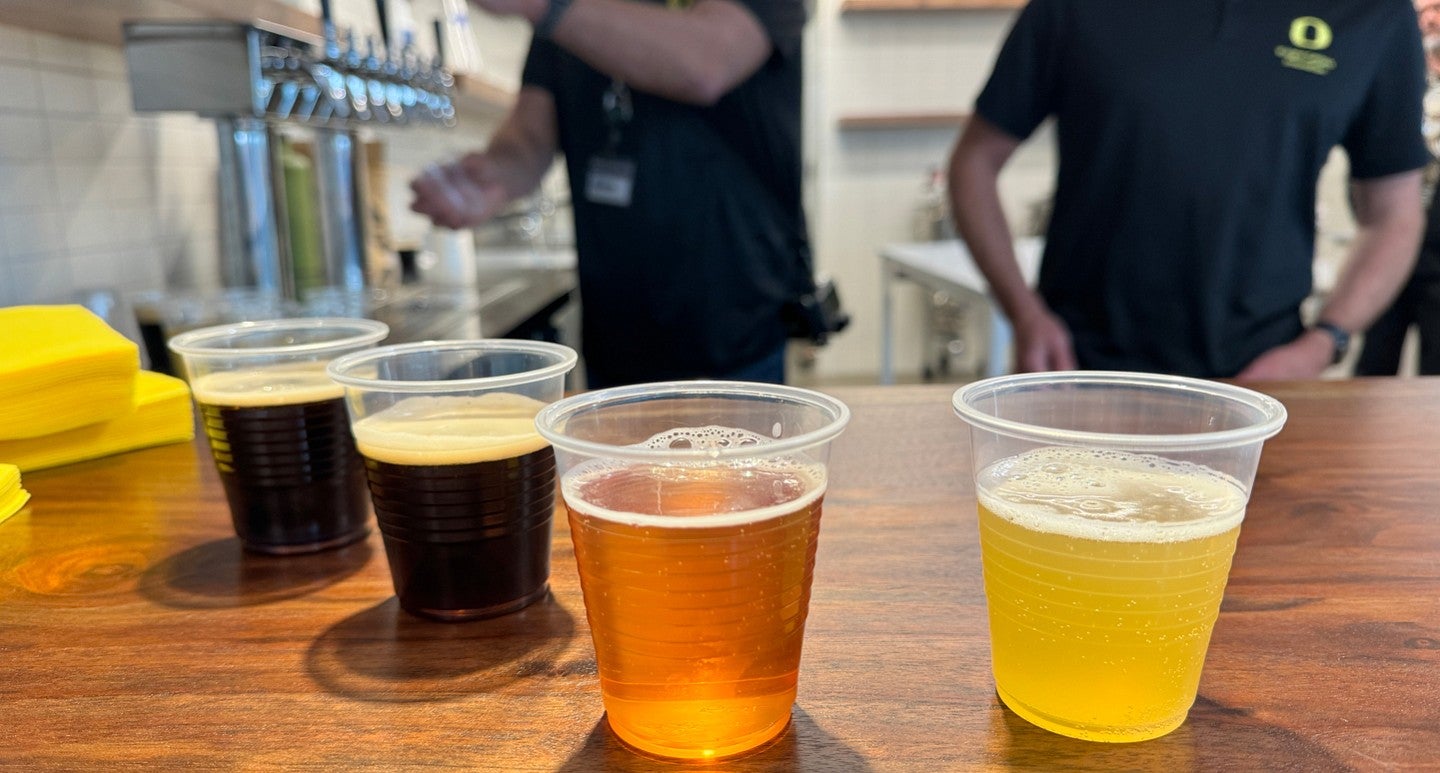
(1339, 336)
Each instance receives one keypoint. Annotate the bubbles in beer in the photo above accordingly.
(695, 493)
(711, 437)
(1111, 495)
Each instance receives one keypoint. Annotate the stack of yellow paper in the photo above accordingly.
(71, 389)
(61, 367)
(160, 413)
(12, 497)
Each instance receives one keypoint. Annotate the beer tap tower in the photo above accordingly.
(253, 79)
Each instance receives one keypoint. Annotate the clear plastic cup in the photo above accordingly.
(463, 486)
(277, 428)
(1109, 506)
(694, 509)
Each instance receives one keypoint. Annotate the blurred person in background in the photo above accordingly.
(1419, 303)
(1191, 138)
(680, 126)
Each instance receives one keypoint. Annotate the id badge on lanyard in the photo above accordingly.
(609, 176)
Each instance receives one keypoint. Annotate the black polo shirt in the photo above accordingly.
(689, 279)
(1191, 137)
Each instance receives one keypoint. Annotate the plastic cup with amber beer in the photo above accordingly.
(694, 509)
(1109, 506)
(277, 428)
(463, 486)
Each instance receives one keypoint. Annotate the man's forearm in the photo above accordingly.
(1390, 223)
(696, 55)
(521, 151)
(980, 219)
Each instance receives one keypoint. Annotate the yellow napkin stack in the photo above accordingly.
(71, 389)
(160, 413)
(61, 367)
(12, 497)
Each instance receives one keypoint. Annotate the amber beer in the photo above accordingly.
(281, 443)
(1104, 572)
(696, 580)
(464, 493)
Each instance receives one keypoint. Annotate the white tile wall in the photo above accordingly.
(79, 174)
(96, 197)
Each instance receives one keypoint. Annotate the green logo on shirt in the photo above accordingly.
(1308, 37)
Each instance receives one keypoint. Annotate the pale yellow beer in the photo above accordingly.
(1104, 572)
(697, 585)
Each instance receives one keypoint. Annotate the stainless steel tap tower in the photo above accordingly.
(252, 79)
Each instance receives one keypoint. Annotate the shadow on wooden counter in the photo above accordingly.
(383, 654)
(803, 746)
(221, 574)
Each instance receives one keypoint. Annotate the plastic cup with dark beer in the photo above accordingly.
(277, 428)
(694, 509)
(462, 485)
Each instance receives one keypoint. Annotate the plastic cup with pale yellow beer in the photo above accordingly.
(1109, 507)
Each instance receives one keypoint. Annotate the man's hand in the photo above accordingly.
(1305, 357)
(1042, 342)
(462, 194)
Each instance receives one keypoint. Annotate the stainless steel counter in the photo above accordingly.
(511, 298)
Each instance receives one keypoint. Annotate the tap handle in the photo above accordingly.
(439, 42)
(327, 28)
(380, 8)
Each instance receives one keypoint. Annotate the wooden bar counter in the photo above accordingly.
(134, 631)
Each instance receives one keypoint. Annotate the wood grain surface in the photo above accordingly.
(134, 631)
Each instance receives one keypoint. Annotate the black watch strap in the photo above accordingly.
(546, 26)
(1339, 336)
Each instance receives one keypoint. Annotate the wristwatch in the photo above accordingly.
(1339, 336)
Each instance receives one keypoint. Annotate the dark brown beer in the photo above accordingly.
(466, 540)
(292, 474)
(464, 494)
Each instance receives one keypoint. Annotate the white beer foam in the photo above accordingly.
(1111, 496)
(258, 387)
(452, 429)
(811, 475)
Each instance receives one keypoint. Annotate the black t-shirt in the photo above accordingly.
(1191, 137)
(688, 280)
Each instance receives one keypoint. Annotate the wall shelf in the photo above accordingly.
(892, 6)
(889, 121)
(100, 21)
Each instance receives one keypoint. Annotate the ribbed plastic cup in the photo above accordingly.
(463, 486)
(1109, 506)
(277, 428)
(694, 509)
